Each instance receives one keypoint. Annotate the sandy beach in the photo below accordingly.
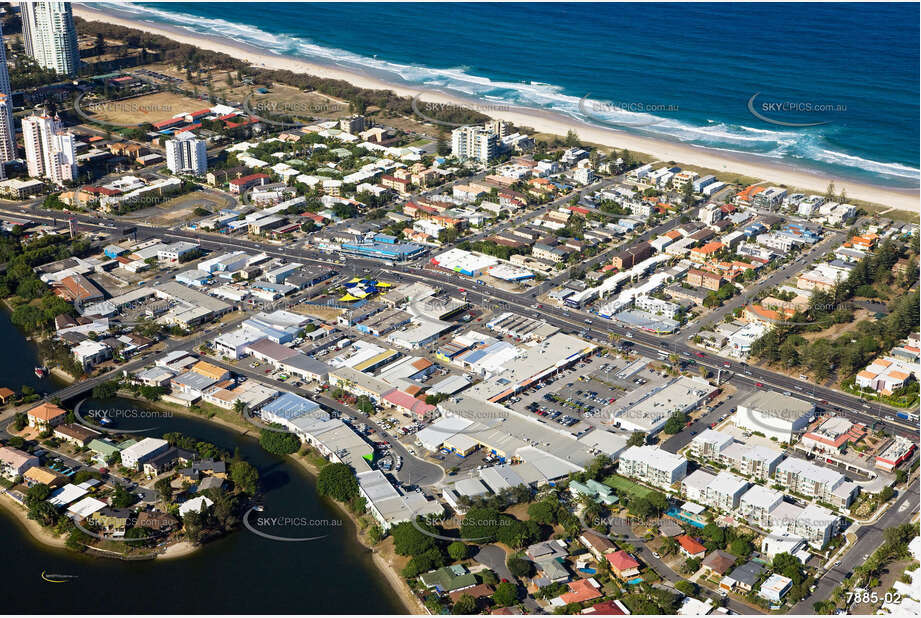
(547, 122)
(397, 583)
(43, 536)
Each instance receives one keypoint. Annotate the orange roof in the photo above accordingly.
(46, 412)
(763, 313)
(622, 561)
(580, 590)
(867, 374)
(898, 375)
(208, 370)
(690, 545)
(40, 475)
(6, 392)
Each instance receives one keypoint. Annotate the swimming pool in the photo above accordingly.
(635, 580)
(676, 514)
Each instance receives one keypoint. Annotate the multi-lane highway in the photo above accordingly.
(569, 320)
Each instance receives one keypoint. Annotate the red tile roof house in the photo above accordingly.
(242, 184)
(691, 548)
(623, 564)
(46, 415)
(607, 608)
(581, 590)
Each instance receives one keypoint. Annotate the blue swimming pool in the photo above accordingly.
(588, 571)
(635, 580)
(676, 514)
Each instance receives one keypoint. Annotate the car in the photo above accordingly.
(759, 384)
(699, 354)
(656, 554)
(727, 365)
(837, 563)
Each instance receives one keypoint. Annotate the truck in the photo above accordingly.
(343, 343)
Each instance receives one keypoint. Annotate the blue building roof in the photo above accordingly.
(290, 406)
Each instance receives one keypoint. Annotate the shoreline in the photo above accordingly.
(33, 528)
(547, 122)
(399, 587)
(183, 548)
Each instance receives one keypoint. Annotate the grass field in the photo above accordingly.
(146, 108)
(621, 484)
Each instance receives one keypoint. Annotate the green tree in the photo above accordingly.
(408, 540)
(686, 588)
(506, 594)
(637, 438)
(279, 442)
(44, 513)
(337, 480)
(164, 489)
(138, 537)
(675, 423)
(457, 550)
(465, 605)
(543, 512)
(122, 498)
(518, 566)
(245, 476)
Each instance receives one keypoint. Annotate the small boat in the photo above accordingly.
(105, 421)
(258, 508)
(40, 372)
(57, 579)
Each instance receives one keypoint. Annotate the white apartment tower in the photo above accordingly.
(50, 151)
(8, 93)
(7, 142)
(49, 35)
(186, 154)
(474, 143)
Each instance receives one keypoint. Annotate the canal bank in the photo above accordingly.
(240, 573)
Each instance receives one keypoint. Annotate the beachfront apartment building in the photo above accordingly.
(50, 151)
(7, 132)
(653, 465)
(50, 36)
(478, 143)
(8, 147)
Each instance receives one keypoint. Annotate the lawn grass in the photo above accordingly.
(627, 486)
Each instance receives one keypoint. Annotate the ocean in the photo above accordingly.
(831, 88)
